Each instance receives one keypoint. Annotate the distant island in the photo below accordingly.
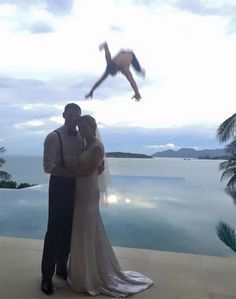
(126, 155)
(192, 153)
(185, 153)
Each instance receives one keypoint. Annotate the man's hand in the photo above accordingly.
(137, 97)
(89, 95)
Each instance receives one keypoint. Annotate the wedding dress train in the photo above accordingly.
(93, 266)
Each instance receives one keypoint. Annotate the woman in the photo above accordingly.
(93, 266)
(120, 63)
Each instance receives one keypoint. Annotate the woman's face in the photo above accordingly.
(85, 129)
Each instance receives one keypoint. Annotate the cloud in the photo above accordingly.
(212, 7)
(28, 92)
(49, 57)
(141, 140)
(29, 124)
(163, 147)
(115, 28)
(223, 8)
(40, 27)
(58, 7)
(28, 139)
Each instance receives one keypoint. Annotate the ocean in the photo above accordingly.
(168, 204)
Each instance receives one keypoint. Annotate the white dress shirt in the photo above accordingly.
(72, 147)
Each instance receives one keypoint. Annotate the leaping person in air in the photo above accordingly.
(120, 63)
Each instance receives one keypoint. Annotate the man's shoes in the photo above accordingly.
(47, 286)
(62, 273)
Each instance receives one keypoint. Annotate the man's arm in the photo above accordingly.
(90, 94)
(64, 172)
(50, 160)
(127, 73)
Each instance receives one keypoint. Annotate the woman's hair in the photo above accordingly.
(89, 120)
(112, 68)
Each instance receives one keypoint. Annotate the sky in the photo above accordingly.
(50, 57)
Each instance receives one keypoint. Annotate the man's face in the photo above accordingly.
(71, 117)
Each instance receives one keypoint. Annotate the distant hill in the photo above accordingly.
(126, 155)
(192, 153)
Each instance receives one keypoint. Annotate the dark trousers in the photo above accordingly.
(60, 215)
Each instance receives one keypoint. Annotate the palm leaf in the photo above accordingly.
(227, 129)
(231, 190)
(231, 148)
(5, 175)
(232, 181)
(2, 161)
(231, 163)
(226, 234)
(2, 149)
(228, 173)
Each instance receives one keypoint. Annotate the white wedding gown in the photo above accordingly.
(93, 266)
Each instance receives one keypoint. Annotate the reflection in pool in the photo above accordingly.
(153, 212)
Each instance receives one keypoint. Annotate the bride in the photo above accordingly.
(93, 266)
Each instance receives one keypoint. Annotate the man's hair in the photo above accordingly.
(112, 68)
(72, 106)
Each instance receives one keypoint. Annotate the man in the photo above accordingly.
(61, 149)
(120, 63)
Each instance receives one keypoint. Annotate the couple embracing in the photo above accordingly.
(76, 246)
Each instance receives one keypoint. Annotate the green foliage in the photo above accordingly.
(231, 148)
(229, 171)
(3, 174)
(25, 185)
(8, 184)
(227, 129)
(226, 235)
(13, 185)
(232, 192)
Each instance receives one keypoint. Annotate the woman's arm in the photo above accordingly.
(96, 157)
(93, 164)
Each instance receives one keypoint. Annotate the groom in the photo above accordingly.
(61, 149)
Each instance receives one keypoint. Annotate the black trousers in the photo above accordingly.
(60, 215)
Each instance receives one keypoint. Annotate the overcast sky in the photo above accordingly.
(49, 57)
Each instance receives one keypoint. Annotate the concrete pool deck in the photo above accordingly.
(175, 275)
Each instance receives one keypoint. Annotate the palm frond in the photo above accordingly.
(5, 175)
(224, 165)
(231, 163)
(228, 173)
(231, 190)
(231, 148)
(227, 129)
(2, 161)
(232, 181)
(2, 149)
(226, 234)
